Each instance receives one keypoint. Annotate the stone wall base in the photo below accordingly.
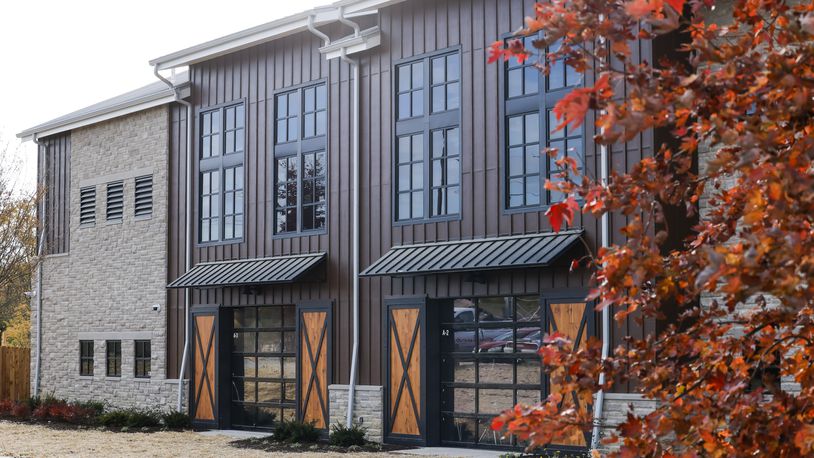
(367, 408)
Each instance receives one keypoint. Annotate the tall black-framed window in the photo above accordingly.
(300, 159)
(113, 358)
(142, 359)
(530, 127)
(427, 156)
(220, 190)
(86, 358)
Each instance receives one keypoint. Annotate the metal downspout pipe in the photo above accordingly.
(188, 230)
(354, 365)
(40, 245)
(605, 229)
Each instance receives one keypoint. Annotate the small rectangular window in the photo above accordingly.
(86, 358)
(142, 361)
(524, 160)
(210, 206)
(410, 177)
(114, 358)
(313, 190)
(144, 196)
(445, 172)
(285, 202)
(87, 206)
(410, 90)
(115, 201)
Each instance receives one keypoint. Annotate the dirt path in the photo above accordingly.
(20, 440)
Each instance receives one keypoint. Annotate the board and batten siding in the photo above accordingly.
(408, 29)
(55, 166)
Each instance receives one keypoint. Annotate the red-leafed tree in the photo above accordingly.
(741, 286)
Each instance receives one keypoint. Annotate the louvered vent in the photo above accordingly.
(87, 206)
(115, 201)
(144, 196)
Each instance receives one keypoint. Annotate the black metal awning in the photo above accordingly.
(248, 272)
(536, 250)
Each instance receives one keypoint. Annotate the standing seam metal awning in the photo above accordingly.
(248, 272)
(535, 250)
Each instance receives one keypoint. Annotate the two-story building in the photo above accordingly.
(347, 202)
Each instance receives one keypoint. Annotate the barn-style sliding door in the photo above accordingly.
(314, 363)
(405, 387)
(204, 346)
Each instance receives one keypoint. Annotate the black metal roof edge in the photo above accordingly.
(321, 255)
(579, 230)
(562, 234)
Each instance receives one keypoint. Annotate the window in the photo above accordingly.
(114, 358)
(144, 196)
(264, 369)
(87, 206)
(86, 358)
(531, 127)
(427, 156)
(300, 181)
(115, 201)
(221, 174)
(142, 361)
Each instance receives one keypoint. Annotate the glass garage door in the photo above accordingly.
(489, 363)
(264, 368)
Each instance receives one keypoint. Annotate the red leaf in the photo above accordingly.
(562, 211)
(677, 5)
(571, 109)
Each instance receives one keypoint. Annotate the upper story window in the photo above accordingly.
(300, 178)
(427, 156)
(531, 126)
(220, 186)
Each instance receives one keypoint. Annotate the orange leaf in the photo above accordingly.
(571, 109)
(677, 5)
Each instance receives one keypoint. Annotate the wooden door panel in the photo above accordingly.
(571, 320)
(405, 371)
(313, 361)
(203, 380)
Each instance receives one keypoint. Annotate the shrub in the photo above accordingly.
(176, 420)
(131, 418)
(21, 411)
(97, 407)
(292, 431)
(60, 410)
(6, 406)
(345, 436)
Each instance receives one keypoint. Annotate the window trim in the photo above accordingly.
(114, 358)
(289, 151)
(527, 107)
(409, 126)
(197, 170)
(83, 358)
(137, 358)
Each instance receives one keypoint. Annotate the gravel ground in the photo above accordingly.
(22, 440)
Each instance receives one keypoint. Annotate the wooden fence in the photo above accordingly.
(15, 370)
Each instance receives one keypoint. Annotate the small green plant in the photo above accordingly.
(346, 436)
(130, 418)
(295, 432)
(176, 420)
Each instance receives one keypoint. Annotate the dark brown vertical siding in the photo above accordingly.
(409, 29)
(56, 152)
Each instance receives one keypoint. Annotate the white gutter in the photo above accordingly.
(38, 288)
(188, 215)
(343, 54)
(605, 230)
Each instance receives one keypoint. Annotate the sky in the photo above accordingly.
(59, 56)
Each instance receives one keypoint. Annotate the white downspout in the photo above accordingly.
(354, 365)
(355, 207)
(605, 229)
(188, 230)
(40, 245)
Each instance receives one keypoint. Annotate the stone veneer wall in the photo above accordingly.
(105, 288)
(367, 407)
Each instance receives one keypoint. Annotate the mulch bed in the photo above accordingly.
(267, 444)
